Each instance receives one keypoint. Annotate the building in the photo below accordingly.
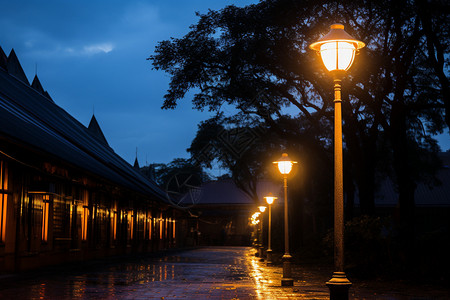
(222, 212)
(64, 194)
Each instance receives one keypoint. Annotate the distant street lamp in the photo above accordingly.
(285, 166)
(338, 50)
(255, 222)
(270, 199)
(262, 209)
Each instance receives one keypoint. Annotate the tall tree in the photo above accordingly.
(255, 58)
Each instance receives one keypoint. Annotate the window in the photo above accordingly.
(84, 224)
(131, 225)
(45, 212)
(161, 228)
(85, 216)
(150, 225)
(173, 229)
(115, 225)
(3, 200)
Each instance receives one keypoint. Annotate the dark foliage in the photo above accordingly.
(256, 60)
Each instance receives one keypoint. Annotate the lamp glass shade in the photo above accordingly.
(262, 208)
(337, 55)
(285, 167)
(270, 199)
(284, 164)
(337, 48)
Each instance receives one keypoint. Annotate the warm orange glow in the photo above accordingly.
(154, 225)
(285, 167)
(45, 212)
(173, 229)
(115, 225)
(262, 208)
(150, 225)
(270, 199)
(160, 227)
(3, 200)
(254, 218)
(337, 55)
(166, 227)
(85, 216)
(3, 207)
(337, 48)
(84, 223)
(131, 225)
(284, 164)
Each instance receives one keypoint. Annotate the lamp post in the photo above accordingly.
(262, 209)
(337, 50)
(285, 166)
(270, 199)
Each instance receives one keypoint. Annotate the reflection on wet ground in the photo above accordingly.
(197, 271)
(206, 273)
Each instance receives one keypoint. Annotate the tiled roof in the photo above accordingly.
(29, 118)
(225, 192)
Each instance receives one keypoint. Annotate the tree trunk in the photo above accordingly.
(404, 179)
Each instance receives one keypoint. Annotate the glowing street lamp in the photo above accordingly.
(270, 199)
(255, 222)
(338, 50)
(262, 209)
(285, 166)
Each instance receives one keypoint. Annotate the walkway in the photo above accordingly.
(205, 273)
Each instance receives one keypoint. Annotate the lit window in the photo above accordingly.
(85, 216)
(115, 225)
(154, 225)
(150, 223)
(161, 224)
(3, 200)
(131, 223)
(84, 224)
(173, 229)
(45, 212)
(166, 227)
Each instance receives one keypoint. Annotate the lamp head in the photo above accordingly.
(270, 199)
(262, 208)
(337, 48)
(284, 164)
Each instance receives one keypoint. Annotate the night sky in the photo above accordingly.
(90, 56)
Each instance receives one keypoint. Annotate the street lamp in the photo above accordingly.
(262, 209)
(255, 222)
(270, 199)
(337, 50)
(285, 166)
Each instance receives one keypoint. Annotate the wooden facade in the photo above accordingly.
(64, 194)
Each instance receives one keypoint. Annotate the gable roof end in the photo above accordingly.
(36, 84)
(15, 69)
(96, 131)
(3, 59)
(136, 164)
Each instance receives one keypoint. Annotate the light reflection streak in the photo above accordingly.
(79, 288)
(111, 284)
(42, 291)
(258, 276)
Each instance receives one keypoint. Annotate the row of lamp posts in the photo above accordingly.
(337, 50)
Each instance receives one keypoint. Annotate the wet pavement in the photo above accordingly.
(204, 273)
